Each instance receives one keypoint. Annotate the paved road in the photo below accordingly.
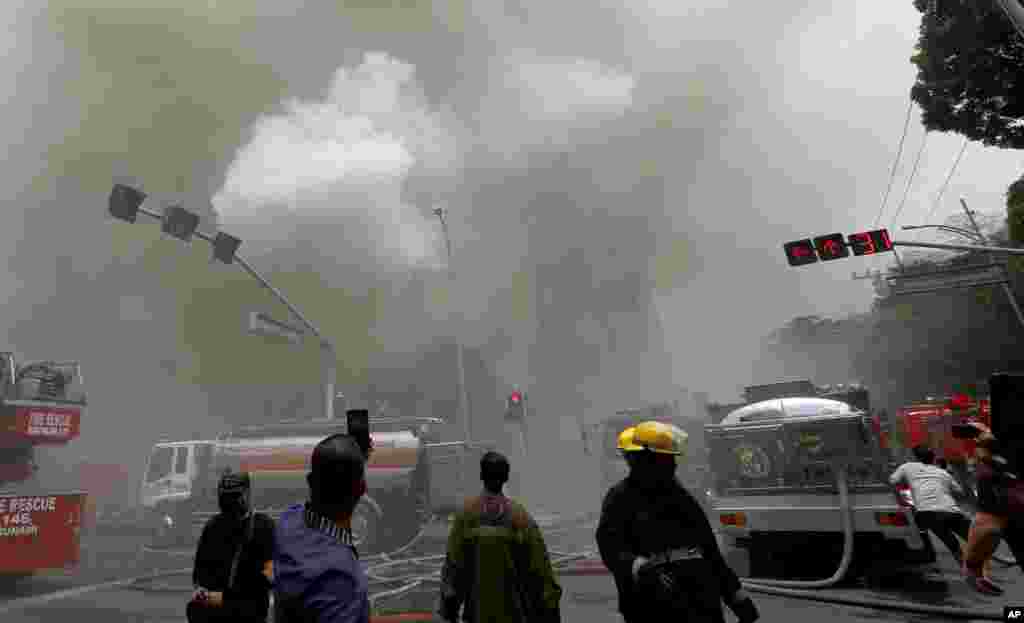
(587, 598)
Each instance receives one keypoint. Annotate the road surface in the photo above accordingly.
(587, 598)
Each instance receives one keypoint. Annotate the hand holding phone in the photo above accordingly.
(359, 428)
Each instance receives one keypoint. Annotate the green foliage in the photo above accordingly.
(1015, 213)
(969, 80)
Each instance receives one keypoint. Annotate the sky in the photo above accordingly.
(699, 136)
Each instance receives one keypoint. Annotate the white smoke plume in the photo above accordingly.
(344, 159)
(542, 102)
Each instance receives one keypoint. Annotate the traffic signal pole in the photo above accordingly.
(1006, 286)
(959, 247)
(328, 352)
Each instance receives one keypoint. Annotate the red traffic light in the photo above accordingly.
(871, 242)
(831, 247)
(515, 398)
(800, 252)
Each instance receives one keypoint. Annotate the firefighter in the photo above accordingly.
(497, 566)
(657, 542)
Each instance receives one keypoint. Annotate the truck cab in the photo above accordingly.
(173, 472)
(774, 488)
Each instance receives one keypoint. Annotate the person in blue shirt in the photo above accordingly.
(318, 576)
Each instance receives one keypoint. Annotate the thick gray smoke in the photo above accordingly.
(587, 154)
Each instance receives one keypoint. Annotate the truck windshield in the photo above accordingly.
(160, 464)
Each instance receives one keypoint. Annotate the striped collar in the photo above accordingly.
(324, 525)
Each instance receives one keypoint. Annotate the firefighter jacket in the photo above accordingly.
(497, 566)
(641, 519)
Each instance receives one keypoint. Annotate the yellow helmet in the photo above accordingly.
(660, 438)
(626, 440)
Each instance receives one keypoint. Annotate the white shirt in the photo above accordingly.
(932, 486)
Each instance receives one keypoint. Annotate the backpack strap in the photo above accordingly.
(249, 529)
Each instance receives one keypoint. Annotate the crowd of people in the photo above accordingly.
(652, 535)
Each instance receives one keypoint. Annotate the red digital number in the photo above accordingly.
(864, 243)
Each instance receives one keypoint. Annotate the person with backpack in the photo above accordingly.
(497, 566)
(233, 570)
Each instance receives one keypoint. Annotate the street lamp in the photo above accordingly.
(441, 213)
(126, 203)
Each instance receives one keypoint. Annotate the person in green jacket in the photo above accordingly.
(497, 567)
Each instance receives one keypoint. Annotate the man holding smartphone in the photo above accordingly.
(318, 573)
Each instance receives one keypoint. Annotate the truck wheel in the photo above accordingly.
(367, 520)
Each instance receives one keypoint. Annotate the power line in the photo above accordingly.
(910, 182)
(896, 162)
(945, 184)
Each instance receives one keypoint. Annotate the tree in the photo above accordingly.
(1015, 211)
(969, 80)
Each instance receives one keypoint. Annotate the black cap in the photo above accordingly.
(233, 483)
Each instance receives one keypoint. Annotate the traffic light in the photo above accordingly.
(515, 407)
(124, 202)
(871, 242)
(225, 246)
(831, 247)
(800, 252)
(180, 223)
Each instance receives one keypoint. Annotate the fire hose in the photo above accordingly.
(426, 570)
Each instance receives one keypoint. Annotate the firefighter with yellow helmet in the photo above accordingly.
(657, 542)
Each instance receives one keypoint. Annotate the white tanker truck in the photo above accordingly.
(410, 477)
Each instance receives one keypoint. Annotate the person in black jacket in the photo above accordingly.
(233, 570)
(655, 539)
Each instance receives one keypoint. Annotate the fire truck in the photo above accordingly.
(779, 462)
(612, 466)
(930, 422)
(41, 404)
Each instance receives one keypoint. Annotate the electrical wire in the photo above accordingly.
(910, 181)
(945, 184)
(895, 162)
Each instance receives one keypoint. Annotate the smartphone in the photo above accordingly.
(359, 427)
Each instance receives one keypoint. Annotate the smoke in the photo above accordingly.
(535, 102)
(585, 150)
(342, 162)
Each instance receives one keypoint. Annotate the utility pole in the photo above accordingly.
(441, 213)
(1006, 285)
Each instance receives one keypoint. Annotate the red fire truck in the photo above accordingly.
(930, 422)
(41, 404)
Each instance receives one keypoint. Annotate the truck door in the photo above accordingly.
(181, 476)
(157, 483)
